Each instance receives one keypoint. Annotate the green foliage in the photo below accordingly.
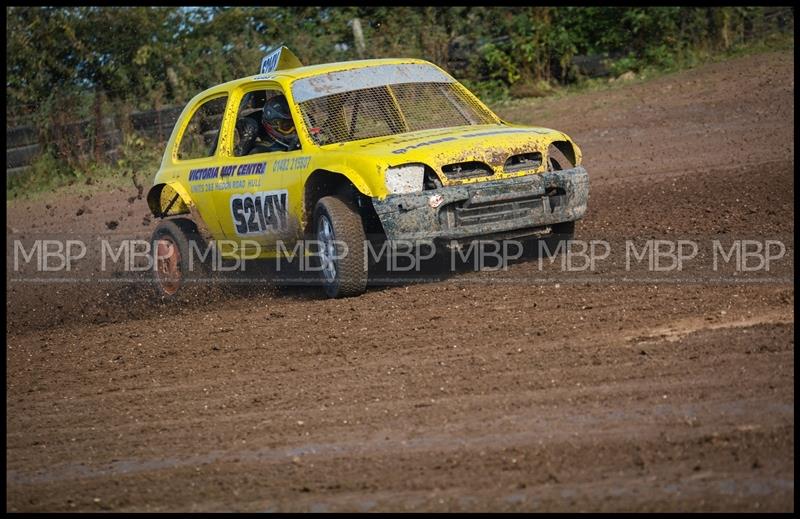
(46, 173)
(136, 157)
(499, 64)
(155, 56)
(629, 62)
(489, 91)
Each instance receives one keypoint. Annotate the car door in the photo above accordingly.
(261, 189)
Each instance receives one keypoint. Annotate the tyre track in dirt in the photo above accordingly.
(485, 391)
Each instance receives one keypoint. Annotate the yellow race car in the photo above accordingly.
(341, 152)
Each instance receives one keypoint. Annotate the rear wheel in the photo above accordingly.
(171, 249)
(339, 231)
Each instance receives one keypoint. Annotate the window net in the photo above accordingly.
(390, 109)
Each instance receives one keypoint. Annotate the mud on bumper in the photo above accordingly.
(489, 208)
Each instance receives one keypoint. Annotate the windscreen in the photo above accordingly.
(384, 100)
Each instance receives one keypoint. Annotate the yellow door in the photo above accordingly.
(260, 192)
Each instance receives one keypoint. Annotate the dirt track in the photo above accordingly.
(485, 391)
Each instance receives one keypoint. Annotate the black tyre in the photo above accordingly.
(339, 231)
(561, 232)
(171, 250)
(564, 231)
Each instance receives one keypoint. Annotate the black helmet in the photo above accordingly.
(278, 122)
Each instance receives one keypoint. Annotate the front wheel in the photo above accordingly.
(564, 231)
(557, 241)
(562, 234)
(340, 236)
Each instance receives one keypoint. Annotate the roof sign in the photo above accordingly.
(279, 59)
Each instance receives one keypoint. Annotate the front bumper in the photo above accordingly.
(486, 208)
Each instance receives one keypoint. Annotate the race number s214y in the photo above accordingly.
(260, 213)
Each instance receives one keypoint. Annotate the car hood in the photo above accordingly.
(491, 144)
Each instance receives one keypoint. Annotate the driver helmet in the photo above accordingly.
(278, 122)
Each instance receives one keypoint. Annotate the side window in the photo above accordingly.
(201, 135)
(253, 135)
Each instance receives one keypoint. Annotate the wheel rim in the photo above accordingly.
(168, 268)
(327, 248)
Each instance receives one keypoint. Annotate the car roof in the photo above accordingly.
(286, 76)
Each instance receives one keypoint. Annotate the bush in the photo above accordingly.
(45, 173)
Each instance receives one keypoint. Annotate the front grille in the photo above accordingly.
(489, 212)
(464, 170)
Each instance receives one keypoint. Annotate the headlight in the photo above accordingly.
(405, 179)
